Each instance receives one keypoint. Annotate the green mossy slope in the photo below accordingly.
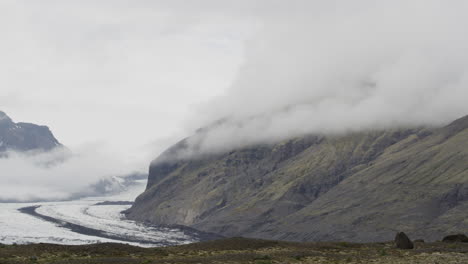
(355, 187)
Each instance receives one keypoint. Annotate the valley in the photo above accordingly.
(84, 221)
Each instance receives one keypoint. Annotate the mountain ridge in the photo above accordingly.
(25, 136)
(361, 186)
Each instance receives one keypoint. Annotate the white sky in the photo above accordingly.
(139, 75)
(118, 81)
(122, 73)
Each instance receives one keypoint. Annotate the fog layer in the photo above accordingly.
(58, 174)
(339, 66)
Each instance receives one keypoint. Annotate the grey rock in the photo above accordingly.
(403, 242)
(456, 238)
(25, 136)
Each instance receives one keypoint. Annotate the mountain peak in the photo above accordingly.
(4, 117)
(24, 136)
(456, 126)
(463, 121)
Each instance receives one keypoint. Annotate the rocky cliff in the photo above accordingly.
(24, 136)
(356, 187)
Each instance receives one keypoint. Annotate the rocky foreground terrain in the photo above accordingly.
(239, 250)
(360, 187)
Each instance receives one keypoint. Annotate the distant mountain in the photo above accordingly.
(25, 136)
(362, 186)
(111, 185)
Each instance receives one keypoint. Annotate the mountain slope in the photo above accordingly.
(24, 136)
(359, 187)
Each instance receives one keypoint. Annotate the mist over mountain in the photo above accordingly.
(292, 120)
(335, 67)
(35, 167)
(360, 186)
(344, 122)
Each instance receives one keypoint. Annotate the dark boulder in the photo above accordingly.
(403, 242)
(419, 241)
(456, 238)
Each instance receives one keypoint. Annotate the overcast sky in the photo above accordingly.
(137, 75)
(121, 73)
(117, 81)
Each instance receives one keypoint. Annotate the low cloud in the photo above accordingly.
(339, 66)
(325, 66)
(59, 174)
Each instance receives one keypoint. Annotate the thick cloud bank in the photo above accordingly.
(338, 66)
(59, 174)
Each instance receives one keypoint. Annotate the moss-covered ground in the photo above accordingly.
(238, 250)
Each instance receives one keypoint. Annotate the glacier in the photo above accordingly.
(103, 214)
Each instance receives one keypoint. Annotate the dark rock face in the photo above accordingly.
(356, 187)
(456, 238)
(25, 136)
(403, 242)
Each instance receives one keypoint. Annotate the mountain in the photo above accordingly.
(25, 136)
(112, 185)
(359, 187)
